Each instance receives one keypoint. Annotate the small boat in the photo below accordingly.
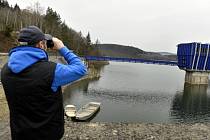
(87, 111)
(70, 111)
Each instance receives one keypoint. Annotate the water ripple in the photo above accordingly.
(129, 97)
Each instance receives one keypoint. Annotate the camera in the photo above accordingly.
(50, 43)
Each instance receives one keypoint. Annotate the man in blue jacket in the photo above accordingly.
(32, 85)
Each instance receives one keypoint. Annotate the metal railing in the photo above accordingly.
(132, 60)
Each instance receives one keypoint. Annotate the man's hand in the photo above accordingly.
(58, 44)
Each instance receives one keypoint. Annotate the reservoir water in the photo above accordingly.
(135, 92)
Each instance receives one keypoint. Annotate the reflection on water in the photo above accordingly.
(142, 93)
(75, 89)
(191, 105)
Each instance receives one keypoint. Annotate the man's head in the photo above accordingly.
(33, 36)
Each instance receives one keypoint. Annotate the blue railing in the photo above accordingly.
(133, 60)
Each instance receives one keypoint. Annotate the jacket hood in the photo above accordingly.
(23, 57)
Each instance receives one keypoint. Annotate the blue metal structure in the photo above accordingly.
(134, 60)
(194, 56)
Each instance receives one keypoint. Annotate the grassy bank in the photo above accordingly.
(4, 113)
(4, 117)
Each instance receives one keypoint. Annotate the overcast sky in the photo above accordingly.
(151, 25)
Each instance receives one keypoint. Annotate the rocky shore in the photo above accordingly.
(135, 131)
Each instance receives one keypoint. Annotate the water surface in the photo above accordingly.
(135, 92)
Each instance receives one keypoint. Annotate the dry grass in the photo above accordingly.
(3, 60)
(4, 113)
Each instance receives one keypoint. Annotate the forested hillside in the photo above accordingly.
(12, 19)
(115, 50)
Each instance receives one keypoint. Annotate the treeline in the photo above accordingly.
(12, 19)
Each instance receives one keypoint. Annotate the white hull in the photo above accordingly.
(70, 111)
(87, 111)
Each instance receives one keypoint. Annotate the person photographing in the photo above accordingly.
(32, 85)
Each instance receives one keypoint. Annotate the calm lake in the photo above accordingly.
(135, 92)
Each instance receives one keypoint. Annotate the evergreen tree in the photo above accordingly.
(4, 4)
(8, 31)
(16, 8)
(52, 22)
(65, 34)
(88, 40)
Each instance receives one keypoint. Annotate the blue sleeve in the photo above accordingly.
(65, 74)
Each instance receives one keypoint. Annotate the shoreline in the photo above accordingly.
(132, 131)
(92, 75)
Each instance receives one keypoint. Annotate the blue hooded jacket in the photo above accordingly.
(23, 57)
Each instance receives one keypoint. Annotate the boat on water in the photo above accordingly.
(70, 111)
(87, 111)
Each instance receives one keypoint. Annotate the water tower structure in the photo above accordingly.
(194, 58)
